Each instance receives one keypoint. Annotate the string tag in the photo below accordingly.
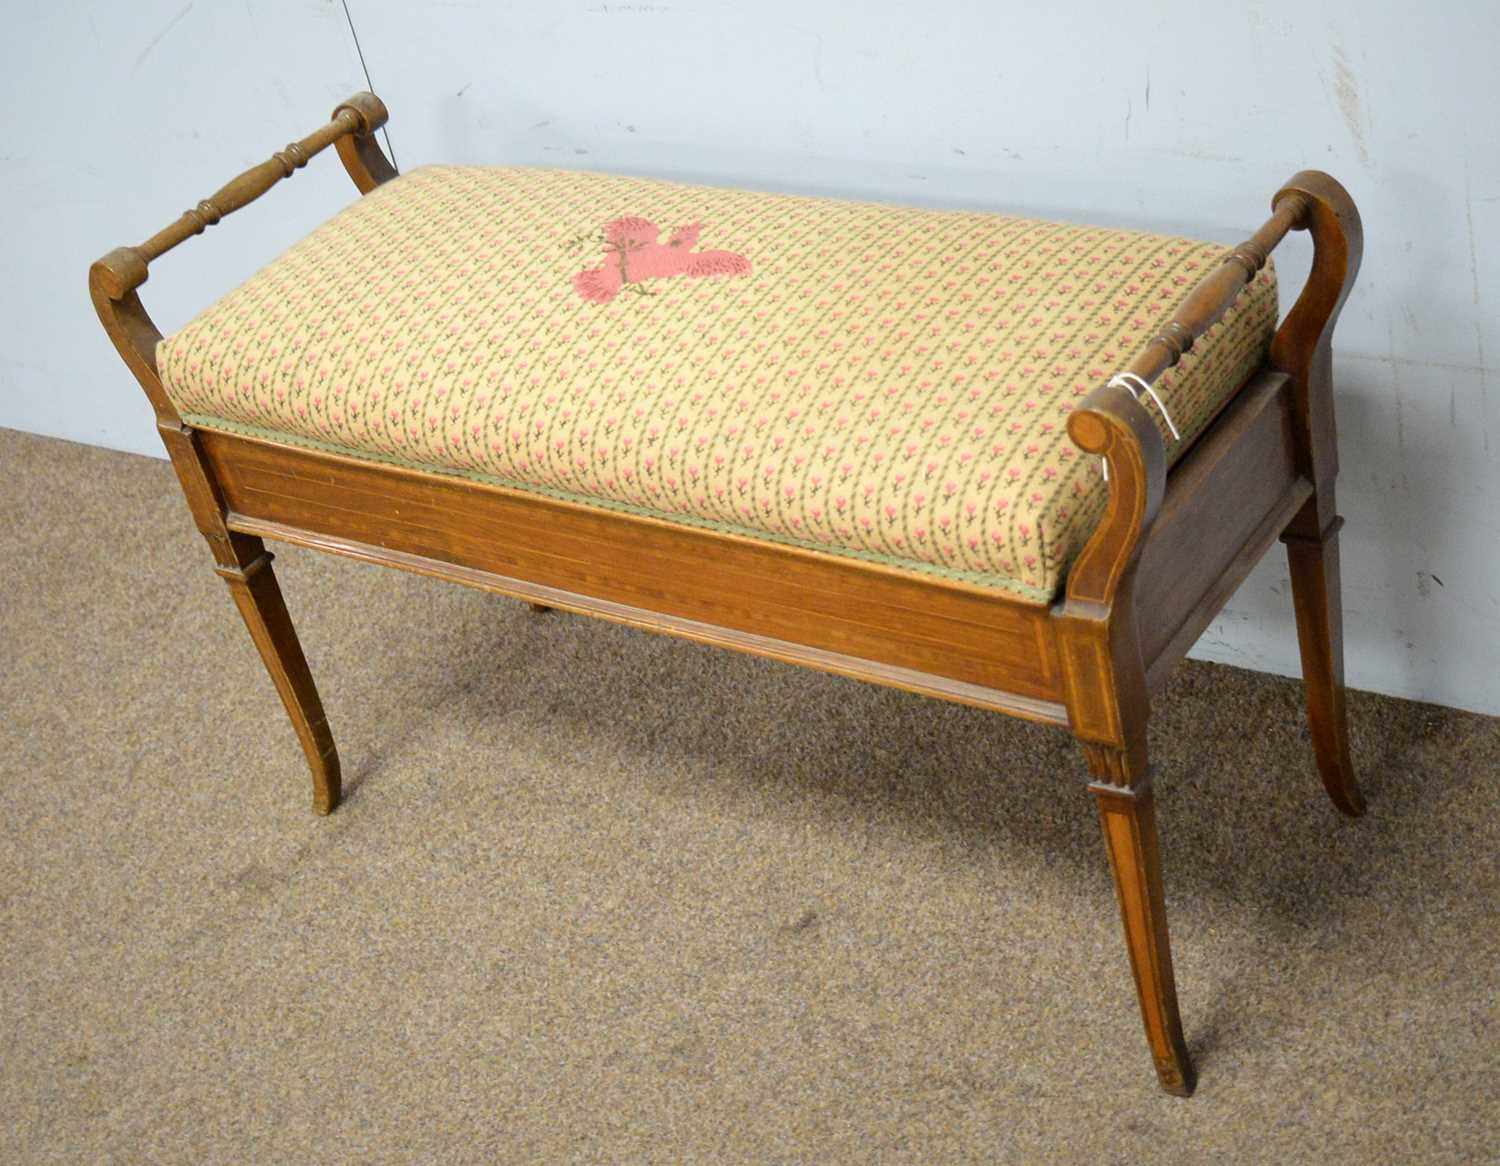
(1129, 382)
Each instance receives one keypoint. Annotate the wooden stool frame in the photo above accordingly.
(1167, 554)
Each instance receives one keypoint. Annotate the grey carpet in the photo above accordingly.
(596, 896)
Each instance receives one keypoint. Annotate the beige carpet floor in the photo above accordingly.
(597, 896)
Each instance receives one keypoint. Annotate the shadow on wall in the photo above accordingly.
(1421, 598)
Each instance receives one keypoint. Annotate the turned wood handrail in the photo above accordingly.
(1206, 304)
(1113, 424)
(113, 279)
(354, 121)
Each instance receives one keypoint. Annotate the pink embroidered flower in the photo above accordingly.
(632, 253)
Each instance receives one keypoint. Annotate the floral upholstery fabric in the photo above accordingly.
(868, 380)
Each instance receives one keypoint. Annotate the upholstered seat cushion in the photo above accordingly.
(867, 380)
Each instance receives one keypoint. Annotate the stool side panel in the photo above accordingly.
(866, 611)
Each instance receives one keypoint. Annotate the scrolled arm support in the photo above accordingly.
(1113, 425)
(368, 108)
(1103, 672)
(359, 152)
(1303, 345)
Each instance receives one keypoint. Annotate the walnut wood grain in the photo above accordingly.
(1000, 647)
(714, 635)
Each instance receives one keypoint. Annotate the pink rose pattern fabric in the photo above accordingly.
(886, 383)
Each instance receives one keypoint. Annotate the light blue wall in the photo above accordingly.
(1174, 116)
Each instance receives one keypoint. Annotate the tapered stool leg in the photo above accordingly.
(1314, 563)
(253, 585)
(1129, 820)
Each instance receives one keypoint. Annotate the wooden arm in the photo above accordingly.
(1111, 423)
(354, 121)
(113, 280)
(1099, 639)
(1303, 346)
